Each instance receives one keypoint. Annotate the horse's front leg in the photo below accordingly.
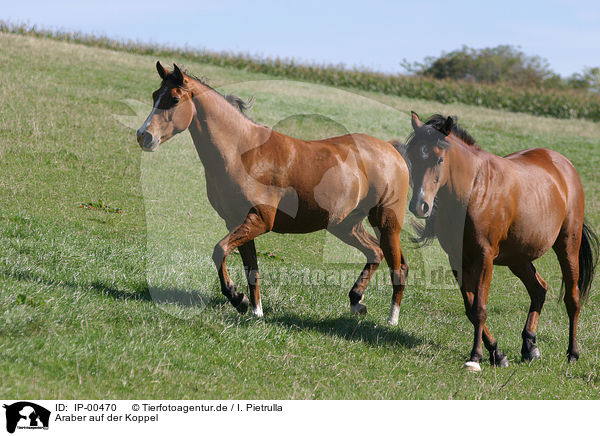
(477, 312)
(248, 253)
(253, 225)
(354, 234)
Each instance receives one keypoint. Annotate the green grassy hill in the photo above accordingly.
(120, 299)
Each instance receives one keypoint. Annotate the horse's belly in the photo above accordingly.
(525, 247)
(303, 222)
(523, 254)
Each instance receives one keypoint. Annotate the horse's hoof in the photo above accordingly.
(533, 354)
(257, 311)
(358, 309)
(499, 360)
(572, 357)
(472, 366)
(243, 305)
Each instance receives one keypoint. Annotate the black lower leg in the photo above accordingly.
(572, 356)
(572, 353)
(237, 299)
(354, 296)
(497, 357)
(529, 350)
(479, 326)
(358, 290)
(476, 356)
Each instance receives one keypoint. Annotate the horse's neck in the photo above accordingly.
(220, 132)
(465, 164)
(454, 197)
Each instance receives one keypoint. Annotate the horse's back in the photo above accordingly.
(547, 196)
(330, 179)
(542, 157)
(380, 153)
(384, 169)
(542, 165)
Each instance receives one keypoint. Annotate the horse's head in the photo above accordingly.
(427, 152)
(172, 111)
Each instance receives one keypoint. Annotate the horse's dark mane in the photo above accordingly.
(437, 121)
(202, 79)
(239, 104)
(233, 100)
(425, 232)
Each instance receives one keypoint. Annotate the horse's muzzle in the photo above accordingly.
(420, 208)
(147, 141)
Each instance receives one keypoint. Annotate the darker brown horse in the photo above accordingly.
(486, 210)
(259, 180)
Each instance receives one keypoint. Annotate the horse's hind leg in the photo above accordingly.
(248, 253)
(536, 287)
(567, 251)
(356, 236)
(388, 224)
(253, 225)
(392, 250)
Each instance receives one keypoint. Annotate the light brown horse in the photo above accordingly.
(486, 210)
(259, 180)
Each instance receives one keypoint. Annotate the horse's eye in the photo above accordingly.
(440, 160)
(175, 101)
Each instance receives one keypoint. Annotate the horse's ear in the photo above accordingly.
(178, 74)
(447, 127)
(161, 71)
(415, 120)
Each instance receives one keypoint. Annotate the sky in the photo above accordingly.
(375, 34)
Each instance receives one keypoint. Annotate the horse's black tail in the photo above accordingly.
(588, 260)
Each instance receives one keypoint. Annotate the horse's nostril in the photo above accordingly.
(144, 138)
(425, 208)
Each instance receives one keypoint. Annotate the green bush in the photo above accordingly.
(501, 64)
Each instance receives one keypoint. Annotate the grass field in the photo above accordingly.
(120, 299)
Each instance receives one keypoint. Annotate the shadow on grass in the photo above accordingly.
(110, 291)
(350, 329)
(139, 290)
(185, 298)
(346, 327)
(164, 296)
